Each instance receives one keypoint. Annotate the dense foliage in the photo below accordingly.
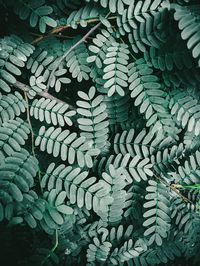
(100, 132)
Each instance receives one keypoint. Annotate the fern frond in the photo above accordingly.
(40, 65)
(80, 189)
(133, 168)
(81, 16)
(159, 255)
(11, 105)
(189, 171)
(16, 178)
(116, 69)
(136, 194)
(193, 195)
(114, 235)
(143, 145)
(117, 108)
(117, 180)
(183, 215)
(117, 234)
(126, 252)
(97, 55)
(188, 22)
(29, 210)
(93, 122)
(168, 56)
(13, 134)
(56, 210)
(98, 49)
(51, 112)
(76, 61)
(191, 142)
(167, 161)
(152, 32)
(139, 12)
(37, 12)
(66, 145)
(13, 55)
(98, 250)
(186, 110)
(150, 96)
(157, 217)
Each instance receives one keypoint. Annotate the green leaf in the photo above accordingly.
(30, 220)
(50, 22)
(16, 193)
(65, 209)
(60, 198)
(56, 216)
(4, 86)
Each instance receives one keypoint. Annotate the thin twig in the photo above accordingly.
(30, 125)
(53, 248)
(63, 27)
(172, 187)
(69, 50)
(59, 35)
(45, 94)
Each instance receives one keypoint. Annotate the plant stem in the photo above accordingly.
(53, 248)
(63, 27)
(69, 50)
(45, 94)
(186, 200)
(29, 122)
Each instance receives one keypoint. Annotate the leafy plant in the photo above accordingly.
(100, 132)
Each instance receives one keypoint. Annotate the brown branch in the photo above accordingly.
(45, 94)
(29, 122)
(59, 35)
(172, 187)
(63, 27)
(69, 50)
(50, 33)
